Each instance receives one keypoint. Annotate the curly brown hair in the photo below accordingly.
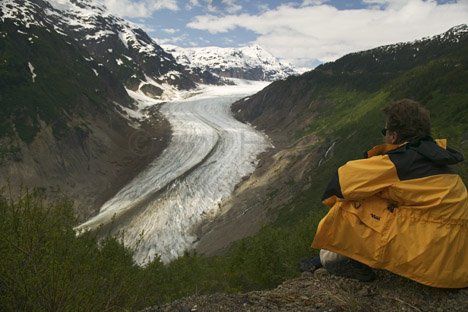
(408, 118)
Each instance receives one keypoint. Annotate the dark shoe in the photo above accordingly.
(355, 270)
(310, 264)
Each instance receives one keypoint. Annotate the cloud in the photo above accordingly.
(170, 30)
(314, 2)
(263, 7)
(141, 8)
(216, 6)
(387, 3)
(206, 4)
(324, 33)
(231, 6)
(222, 24)
(183, 40)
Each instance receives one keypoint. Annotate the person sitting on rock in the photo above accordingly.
(402, 208)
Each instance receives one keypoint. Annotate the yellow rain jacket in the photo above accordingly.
(402, 209)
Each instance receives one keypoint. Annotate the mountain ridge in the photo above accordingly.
(249, 62)
(356, 71)
(125, 49)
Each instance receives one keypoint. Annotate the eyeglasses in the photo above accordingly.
(384, 131)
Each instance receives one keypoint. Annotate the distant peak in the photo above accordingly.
(248, 62)
(462, 28)
(255, 46)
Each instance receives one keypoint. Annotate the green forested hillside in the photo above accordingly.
(338, 102)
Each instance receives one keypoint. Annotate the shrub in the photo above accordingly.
(46, 267)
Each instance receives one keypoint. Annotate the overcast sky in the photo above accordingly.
(303, 32)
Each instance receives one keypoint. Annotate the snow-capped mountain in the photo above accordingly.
(251, 62)
(109, 41)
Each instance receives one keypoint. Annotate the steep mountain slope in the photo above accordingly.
(66, 118)
(124, 49)
(332, 114)
(251, 62)
(380, 69)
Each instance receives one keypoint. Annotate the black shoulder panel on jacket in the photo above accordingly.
(411, 164)
(333, 188)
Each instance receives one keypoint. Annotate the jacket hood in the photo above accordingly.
(428, 148)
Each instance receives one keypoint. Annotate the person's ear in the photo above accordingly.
(393, 137)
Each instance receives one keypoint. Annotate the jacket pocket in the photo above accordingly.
(373, 212)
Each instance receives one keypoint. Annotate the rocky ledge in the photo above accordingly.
(320, 291)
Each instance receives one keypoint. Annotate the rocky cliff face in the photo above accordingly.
(88, 164)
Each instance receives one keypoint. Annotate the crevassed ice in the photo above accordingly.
(209, 154)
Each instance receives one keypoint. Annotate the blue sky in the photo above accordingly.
(303, 32)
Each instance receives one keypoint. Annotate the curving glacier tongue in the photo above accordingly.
(209, 153)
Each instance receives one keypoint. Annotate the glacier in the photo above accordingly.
(210, 152)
